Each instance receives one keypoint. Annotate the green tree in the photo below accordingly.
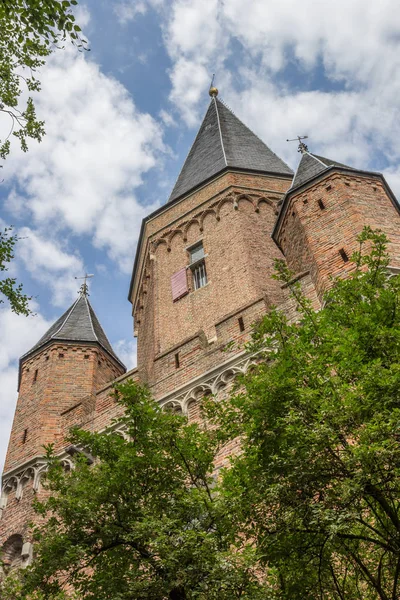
(29, 31)
(9, 288)
(317, 485)
(144, 521)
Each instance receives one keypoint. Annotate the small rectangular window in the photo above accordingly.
(177, 361)
(196, 253)
(198, 266)
(321, 204)
(199, 275)
(241, 323)
(35, 375)
(24, 436)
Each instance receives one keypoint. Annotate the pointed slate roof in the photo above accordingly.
(224, 141)
(78, 324)
(312, 165)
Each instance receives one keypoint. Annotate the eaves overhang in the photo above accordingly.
(328, 171)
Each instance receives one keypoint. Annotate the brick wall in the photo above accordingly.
(53, 381)
(235, 228)
(326, 218)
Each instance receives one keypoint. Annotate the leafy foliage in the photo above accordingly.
(29, 31)
(309, 509)
(317, 485)
(19, 302)
(144, 521)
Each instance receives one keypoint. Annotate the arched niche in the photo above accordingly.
(11, 554)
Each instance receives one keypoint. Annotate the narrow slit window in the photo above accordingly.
(241, 324)
(24, 436)
(198, 266)
(177, 361)
(35, 375)
(343, 254)
(321, 204)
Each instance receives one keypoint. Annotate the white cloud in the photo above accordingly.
(355, 46)
(82, 178)
(127, 11)
(50, 264)
(126, 352)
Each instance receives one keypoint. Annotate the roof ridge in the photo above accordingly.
(66, 318)
(190, 149)
(91, 320)
(318, 159)
(104, 333)
(251, 131)
(220, 130)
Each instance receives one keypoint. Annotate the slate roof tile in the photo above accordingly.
(78, 324)
(311, 165)
(224, 141)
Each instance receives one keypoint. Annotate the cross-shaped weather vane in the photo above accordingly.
(84, 289)
(302, 146)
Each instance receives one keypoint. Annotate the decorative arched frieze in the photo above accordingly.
(171, 236)
(188, 225)
(208, 211)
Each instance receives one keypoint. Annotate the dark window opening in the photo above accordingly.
(24, 436)
(293, 214)
(86, 356)
(347, 183)
(343, 254)
(241, 323)
(177, 361)
(321, 204)
(47, 357)
(328, 188)
(61, 355)
(374, 188)
(35, 376)
(305, 201)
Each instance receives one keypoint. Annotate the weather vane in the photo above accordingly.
(302, 146)
(84, 289)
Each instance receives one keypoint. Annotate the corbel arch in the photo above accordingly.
(208, 211)
(225, 200)
(188, 225)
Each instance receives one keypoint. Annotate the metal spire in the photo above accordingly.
(213, 91)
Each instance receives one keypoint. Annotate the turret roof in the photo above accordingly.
(223, 141)
(312, 165)
(78, 324)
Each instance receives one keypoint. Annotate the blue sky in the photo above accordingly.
(120, 120)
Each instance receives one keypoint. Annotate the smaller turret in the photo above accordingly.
(63, 370)
(324, 211)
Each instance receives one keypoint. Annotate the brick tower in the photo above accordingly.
(202, 273)
(201, 278)
(324, 211)
(58, 376)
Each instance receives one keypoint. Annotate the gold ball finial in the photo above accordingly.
(213, 91)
